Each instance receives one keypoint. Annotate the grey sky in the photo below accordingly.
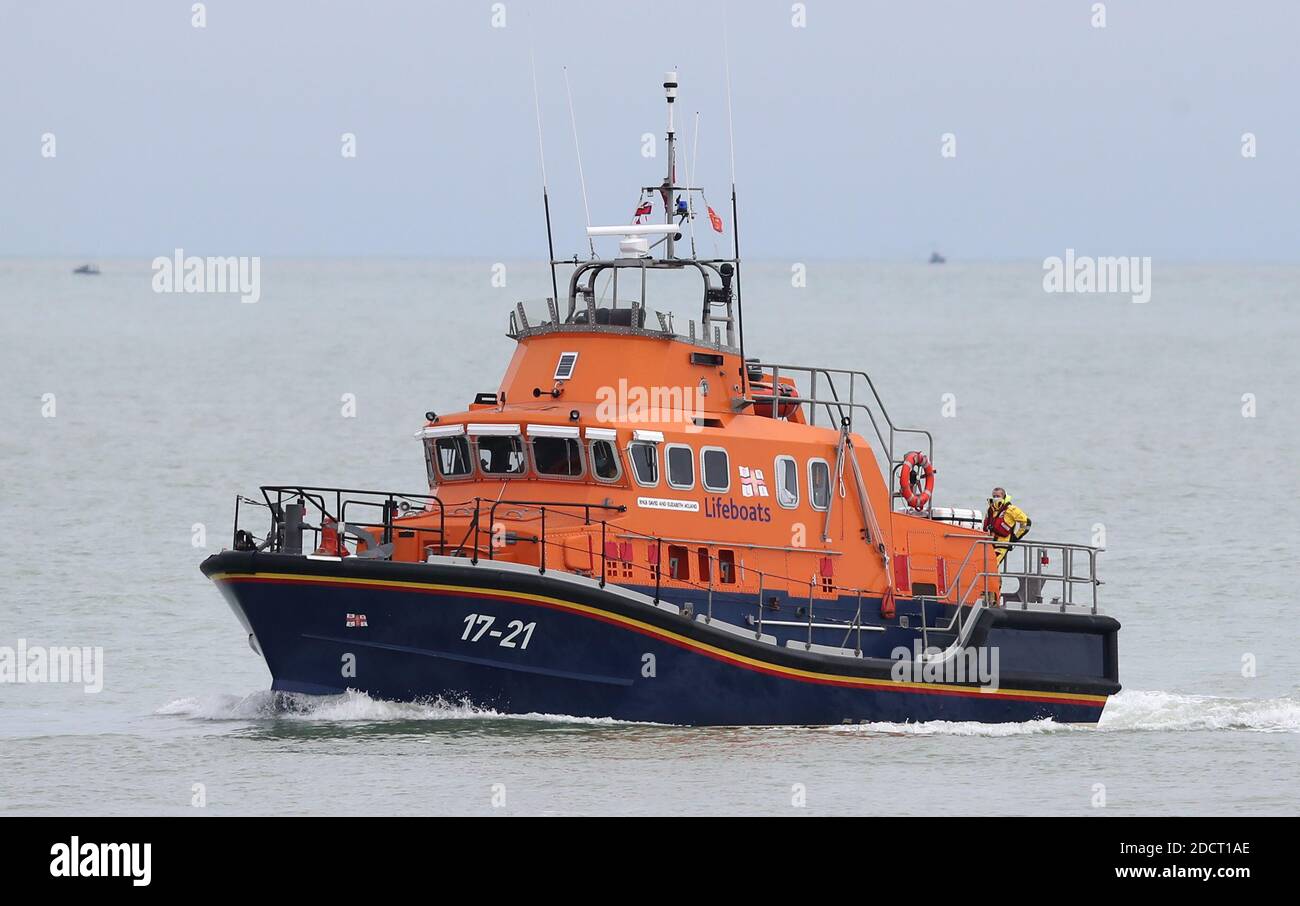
(226, 140)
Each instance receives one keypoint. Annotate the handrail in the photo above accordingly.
(856, 625)
(317, 495)
(1066, 577)
(960, 621)
(836, 404)
(542, 505)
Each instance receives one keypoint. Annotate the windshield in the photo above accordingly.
(501, 455)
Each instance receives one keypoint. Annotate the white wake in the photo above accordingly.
(1132, 710)
(350, 706)
(1137, 710)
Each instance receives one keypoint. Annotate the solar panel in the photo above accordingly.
(564, 370)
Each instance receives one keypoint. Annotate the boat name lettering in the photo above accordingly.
(666, 503)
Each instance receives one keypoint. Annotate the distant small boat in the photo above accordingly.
(936, 258)
(87, 269)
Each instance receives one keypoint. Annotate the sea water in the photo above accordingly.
(1167, 430)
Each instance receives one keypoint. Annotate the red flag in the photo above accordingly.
(715, 220)
(644, 210)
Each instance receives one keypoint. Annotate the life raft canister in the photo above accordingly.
(776, 402)
(916, 480)
(330, 543)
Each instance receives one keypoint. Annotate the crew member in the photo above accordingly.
(1005, 521)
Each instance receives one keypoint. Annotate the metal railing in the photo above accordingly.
(534, 316)
(391, 504)
(739, 582)
(582, 516)
(837, 407)
(967, 601)
(1033, 576)
(1033, 579)
(540, 506)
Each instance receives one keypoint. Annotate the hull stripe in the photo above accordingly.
(680, 641)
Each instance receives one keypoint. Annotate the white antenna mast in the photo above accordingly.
(735, 218)
(537, 107)
(578, 150)
(541, 156)
(690, 204)
(731, 130)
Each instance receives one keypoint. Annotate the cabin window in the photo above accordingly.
(705, 571)
(681, 466)
(451, 455)
(604, 461)
(819, 484)
(501, 454)
(645, 462)
(714, 469)
(678, 565)
(787, 482)
(557, 456)
(727, 567)
(429, 454)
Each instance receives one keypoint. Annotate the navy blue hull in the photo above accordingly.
(518, 642)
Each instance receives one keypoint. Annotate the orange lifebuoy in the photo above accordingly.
(916, 480)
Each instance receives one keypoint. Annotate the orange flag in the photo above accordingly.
(715, 220)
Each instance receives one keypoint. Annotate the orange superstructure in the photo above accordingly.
(659, 436)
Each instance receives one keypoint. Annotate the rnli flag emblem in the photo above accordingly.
(355, 620)
(751, 482)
